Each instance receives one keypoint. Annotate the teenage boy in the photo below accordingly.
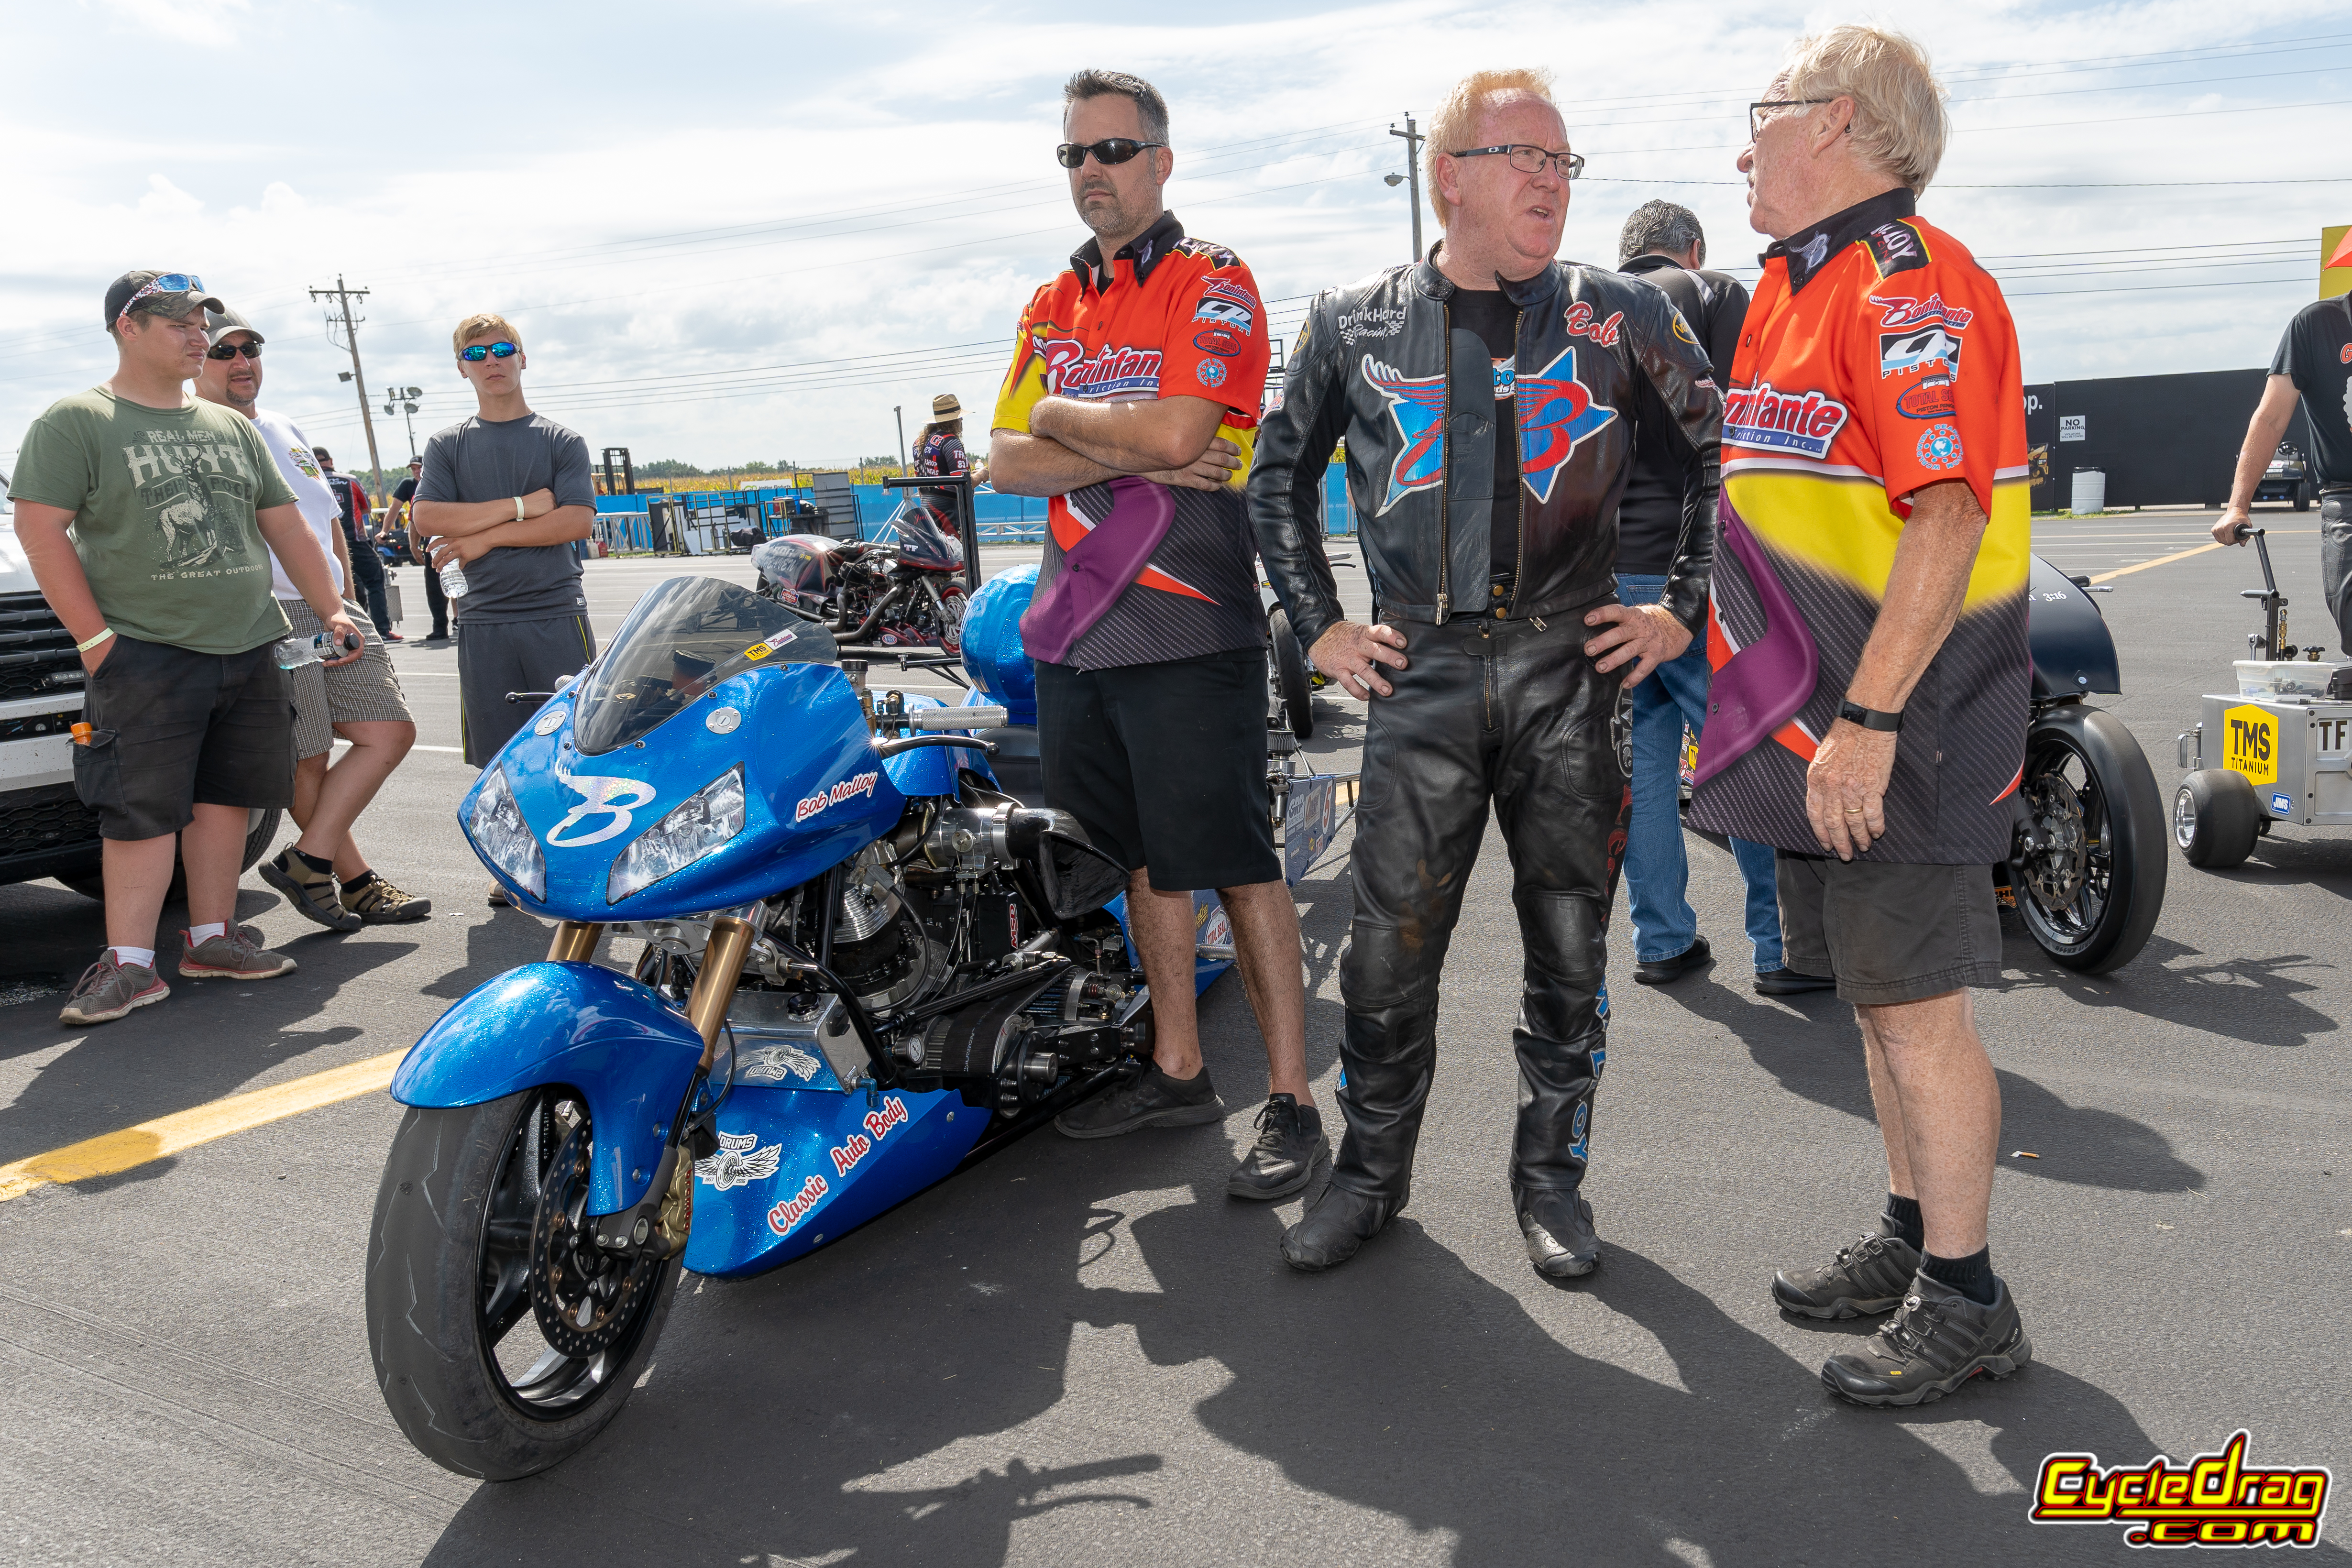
(358, 546)
(357, 698)
(503, 496)
(164, 585)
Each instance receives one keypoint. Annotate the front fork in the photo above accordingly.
(659, 1220)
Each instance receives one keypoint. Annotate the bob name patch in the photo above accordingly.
(848, 788)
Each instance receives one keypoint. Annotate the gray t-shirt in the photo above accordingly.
(489, 460)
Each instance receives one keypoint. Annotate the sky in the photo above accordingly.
(730, 231)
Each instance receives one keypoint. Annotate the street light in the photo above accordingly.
(1412, 139)
(408, 396)
(898, 413)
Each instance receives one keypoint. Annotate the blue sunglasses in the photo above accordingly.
(474, 353)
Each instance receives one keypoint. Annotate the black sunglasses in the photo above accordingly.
(474, 353)
(231, 351)
(1109, 149)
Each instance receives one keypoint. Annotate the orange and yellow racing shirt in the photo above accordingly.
(1165, 317)
(1877, 357)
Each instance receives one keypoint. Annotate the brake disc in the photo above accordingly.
(2055, 870)
(583, 1296)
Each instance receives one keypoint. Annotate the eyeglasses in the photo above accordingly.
(474, 353)
(1110, 150)
(231, 351)
(1529, 159)
(164, 282)
(1756, 121)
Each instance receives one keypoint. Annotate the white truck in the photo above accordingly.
(45, 829)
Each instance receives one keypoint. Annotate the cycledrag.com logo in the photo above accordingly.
(2216, 1500)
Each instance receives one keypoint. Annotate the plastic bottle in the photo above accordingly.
(296, 652)
(453, 580)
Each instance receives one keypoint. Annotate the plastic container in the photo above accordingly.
(2284, 678)
(2090, 491)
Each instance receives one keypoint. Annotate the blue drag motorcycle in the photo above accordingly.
(868, 965)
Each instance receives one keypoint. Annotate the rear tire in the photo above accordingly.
(1290, 675)
(441, 1262)
(2216, 818)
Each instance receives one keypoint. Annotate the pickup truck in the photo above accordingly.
(45, 829)
(2286, 478)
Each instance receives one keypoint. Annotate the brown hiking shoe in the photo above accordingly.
(311, 893)
(379, 903)
(107, 990)
(231, 956)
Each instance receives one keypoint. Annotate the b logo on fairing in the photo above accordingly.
(601, 795)
(1556, 412)
(1417, 403)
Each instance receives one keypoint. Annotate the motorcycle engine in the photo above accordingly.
(879, 947)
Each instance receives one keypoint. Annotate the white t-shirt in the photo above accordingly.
(291, 448)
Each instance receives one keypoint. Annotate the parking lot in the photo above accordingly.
(1086, 1352)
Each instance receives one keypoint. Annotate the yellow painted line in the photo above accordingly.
(166, 1135)
(2159, 560)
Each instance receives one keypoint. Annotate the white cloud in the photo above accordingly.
(166, 200)
(189, 21)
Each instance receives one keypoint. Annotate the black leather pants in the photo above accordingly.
(1515, 711)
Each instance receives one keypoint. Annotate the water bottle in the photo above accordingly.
(296, 652)
(453, 580)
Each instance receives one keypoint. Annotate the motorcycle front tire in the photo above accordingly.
(424, 1278)
(2100, 745)
(1290, 675)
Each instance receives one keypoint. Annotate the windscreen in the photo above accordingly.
(682, 638)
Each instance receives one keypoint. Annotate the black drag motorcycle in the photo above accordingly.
(2087, 860)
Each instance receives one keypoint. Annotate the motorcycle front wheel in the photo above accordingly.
(504, 1340)
(1290, 675)
(2091, 888)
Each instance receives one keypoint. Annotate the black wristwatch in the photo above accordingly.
(1869, 717)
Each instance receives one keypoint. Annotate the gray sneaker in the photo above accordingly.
(1290, 1143)
(1864, 1279)
(107, 990)
(1937, 1340)
(1151, 1100)
(231, 956)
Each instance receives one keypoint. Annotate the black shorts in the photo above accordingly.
(1164, 766)
(500, 656)
(1890, 934)
(172, 731)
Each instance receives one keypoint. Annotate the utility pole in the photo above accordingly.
(1413, 139)
(344, 298)
(898, 413)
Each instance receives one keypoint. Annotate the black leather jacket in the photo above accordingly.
(1377, 364)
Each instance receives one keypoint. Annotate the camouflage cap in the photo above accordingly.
(173, 303)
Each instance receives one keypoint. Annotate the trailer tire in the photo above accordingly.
(2216, 818)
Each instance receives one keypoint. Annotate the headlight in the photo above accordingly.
(703, 825)
(504, 839)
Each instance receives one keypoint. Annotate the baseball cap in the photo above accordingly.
(220, 322)
(175, 304)
(945, 406)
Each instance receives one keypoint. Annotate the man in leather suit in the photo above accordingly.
(1498, 665)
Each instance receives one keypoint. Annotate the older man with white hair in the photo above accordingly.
(1868, 712)
(1490, 397)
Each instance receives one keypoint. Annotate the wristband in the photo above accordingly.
(518, 500)
(102, 634)
(1869, 718)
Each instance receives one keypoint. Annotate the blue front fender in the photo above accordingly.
(603, 1033)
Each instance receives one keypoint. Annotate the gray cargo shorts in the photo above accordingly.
(1889, 934)
(366, 691)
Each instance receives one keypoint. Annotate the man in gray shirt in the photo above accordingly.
(502, 498)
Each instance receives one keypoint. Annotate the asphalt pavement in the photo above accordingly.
(1086, 1352)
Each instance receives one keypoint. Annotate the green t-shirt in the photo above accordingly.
(163, 504)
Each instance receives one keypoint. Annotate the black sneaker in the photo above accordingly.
(311, 893)
(1290, 1142)
(1938, 1341)
(1665, 971)
(1788, 982)
(1865, 1278)
(1151, 1100)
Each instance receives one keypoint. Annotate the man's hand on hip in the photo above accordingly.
(1648, 633)
(1845, 788)
(1351, 653)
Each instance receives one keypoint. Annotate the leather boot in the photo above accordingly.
(1561, 1042)
(1558, 1225)
(1388, 1056)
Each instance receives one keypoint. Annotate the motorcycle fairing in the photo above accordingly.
(822, 1183)
(2073, 652)
(815, 793)
(599, 1032)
